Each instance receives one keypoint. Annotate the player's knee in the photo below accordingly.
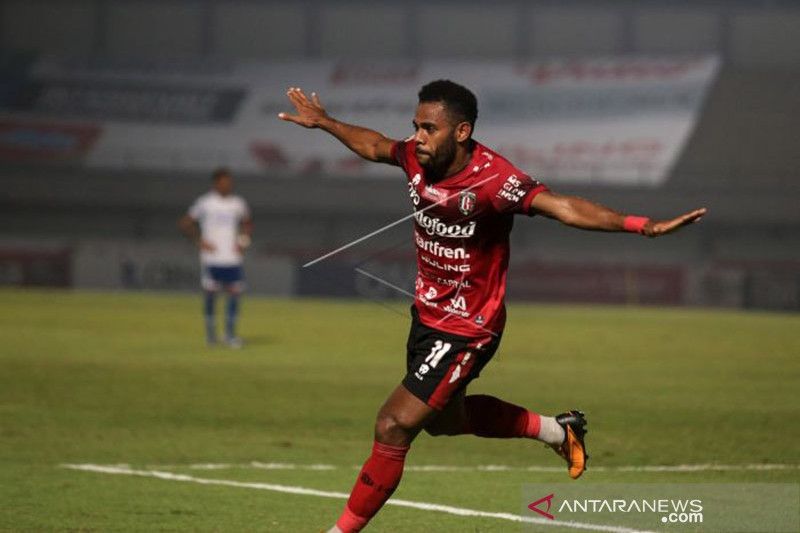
(386, 424)
(390, 429)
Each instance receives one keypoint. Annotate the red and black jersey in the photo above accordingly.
(461, 231)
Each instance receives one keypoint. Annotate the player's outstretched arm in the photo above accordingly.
(583, 214)
(310, 113)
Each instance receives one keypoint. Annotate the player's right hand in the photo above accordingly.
(206, 246)
(309, 111)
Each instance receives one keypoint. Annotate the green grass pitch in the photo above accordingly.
(126, 378)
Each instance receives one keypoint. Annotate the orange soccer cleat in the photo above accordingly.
(573, 449)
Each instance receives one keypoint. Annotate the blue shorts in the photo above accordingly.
(217, 277)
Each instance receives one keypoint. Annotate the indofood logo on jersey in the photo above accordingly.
(435, 226)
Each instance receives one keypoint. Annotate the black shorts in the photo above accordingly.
(441, 364)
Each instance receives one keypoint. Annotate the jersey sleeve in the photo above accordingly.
(400, 153)
(514, 194)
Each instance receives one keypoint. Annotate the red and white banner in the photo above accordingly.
(617, 120)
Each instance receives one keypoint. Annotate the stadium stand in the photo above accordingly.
(740, 161)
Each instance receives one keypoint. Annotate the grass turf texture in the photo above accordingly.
(126, 378)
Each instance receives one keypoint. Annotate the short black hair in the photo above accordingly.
(220, 172)
(459, 101)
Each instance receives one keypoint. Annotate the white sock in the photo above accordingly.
(334, 529)
(550, 431)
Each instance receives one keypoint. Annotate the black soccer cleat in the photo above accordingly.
(573, 448)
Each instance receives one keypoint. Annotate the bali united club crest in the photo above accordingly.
(466, 202)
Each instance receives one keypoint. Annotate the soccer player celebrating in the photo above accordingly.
(219, 223)
(464, 197)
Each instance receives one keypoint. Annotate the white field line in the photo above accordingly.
(253, 464)
(459, 511)
(257, 465)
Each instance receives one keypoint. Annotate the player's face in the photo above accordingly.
(435, 136)
(224, 185)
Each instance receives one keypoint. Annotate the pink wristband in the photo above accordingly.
(635, 224)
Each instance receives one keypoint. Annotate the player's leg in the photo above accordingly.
(399, 421)
(210, 287)
(452, 420)
(436, 363)
(234, 287)
(488, 416)
(409, 408)
(209, 298)
(231, 316)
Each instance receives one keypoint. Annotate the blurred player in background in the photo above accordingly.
(464, 197)
(219, 223)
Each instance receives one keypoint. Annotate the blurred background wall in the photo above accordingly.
(65, 222)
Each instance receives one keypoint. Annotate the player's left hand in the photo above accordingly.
(663, 227)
